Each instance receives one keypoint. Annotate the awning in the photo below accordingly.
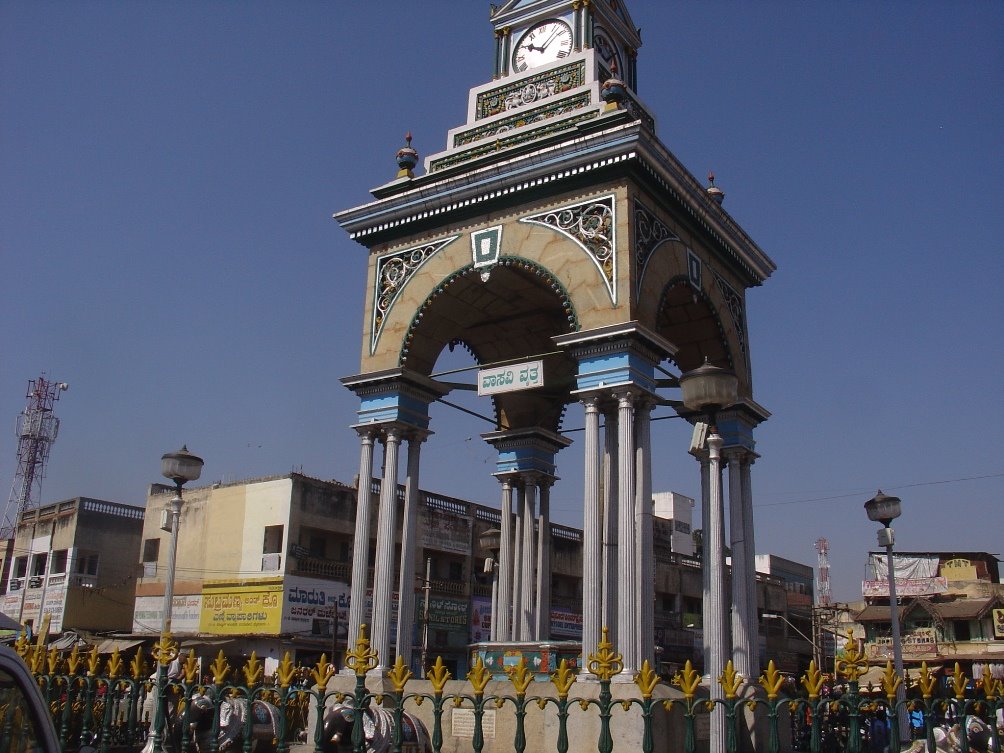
(68, 640)
(206, 643)
(109, 645)
(8, 623)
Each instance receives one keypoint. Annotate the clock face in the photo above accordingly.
(544, 43)
(607, 51)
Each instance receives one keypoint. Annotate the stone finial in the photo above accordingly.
(407, 158)
(613, 91)
(714, 191)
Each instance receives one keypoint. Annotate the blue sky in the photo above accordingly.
(168, 172)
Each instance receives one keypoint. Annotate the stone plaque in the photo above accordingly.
(463, 723)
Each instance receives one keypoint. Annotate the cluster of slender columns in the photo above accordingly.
(524, 567)
(730, 625)
(384, 582)
(618, 577)
(618, 570)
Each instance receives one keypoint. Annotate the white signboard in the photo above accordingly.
(186, 611)
(306, 600)
(905, 587)
(518, 376)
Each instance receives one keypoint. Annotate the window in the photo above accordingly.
(962, 631)
(87, 564)
(456, 571)
(272, 542)
(38, 563)
(20, 567)
(151, 550)
(316, 546)
(58, 562)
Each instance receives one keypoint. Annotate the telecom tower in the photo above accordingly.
(823, 583)
(36, 430)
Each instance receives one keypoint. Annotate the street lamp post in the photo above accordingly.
(706, 390)
(884, 509)
(180, 467)
(491, 543)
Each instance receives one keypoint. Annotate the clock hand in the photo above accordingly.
(549, 40)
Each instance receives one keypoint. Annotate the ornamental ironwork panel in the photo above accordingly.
(392, 274)
(649, 233)
(591, 225)
(738, 313)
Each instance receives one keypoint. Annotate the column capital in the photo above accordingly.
(367, 432)
(625, 395)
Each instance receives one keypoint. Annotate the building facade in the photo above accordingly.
(75, 561)
(951, 609)
(265, 565)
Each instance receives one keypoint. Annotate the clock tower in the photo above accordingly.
(556, 232)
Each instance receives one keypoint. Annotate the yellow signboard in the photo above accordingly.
(958, 569)
(999, 624)
(241, 610)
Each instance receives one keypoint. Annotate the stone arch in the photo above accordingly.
(508, 318)
(688, 318)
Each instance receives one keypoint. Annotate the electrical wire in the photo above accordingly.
(848, 495)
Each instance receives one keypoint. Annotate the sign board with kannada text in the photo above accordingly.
(518, 376)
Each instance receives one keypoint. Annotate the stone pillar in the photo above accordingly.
(645, 565)
(383, 574)
(716, 607)
(608, 618)
(409, 551)
(517, 565)
(527, 612)
(502, 619)
(743, 650)
(705, 568)
(751, 603)
(361, 540)
(542, 629)
(627, 573)
(592, 534)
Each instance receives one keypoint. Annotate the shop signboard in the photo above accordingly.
(308, 601)
(10, 605)
(905, 587)
(481, 619)
(999, 624)
(567, 625)
(31, 609)
(236, 609)
(52, 605)
(186, 611)
(445, 533)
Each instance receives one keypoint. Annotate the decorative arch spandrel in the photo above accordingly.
(578, 268)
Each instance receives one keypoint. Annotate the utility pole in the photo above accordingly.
(426, 587)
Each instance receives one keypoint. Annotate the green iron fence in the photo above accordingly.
(108, 704)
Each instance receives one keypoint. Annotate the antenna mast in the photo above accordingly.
(823, 583)
(36, 430)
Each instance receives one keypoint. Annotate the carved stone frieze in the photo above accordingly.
(530, 89)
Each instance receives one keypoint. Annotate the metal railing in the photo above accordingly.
(104, 706)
